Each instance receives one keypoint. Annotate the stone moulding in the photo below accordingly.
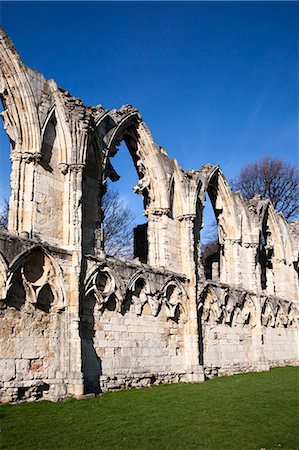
(77, 321)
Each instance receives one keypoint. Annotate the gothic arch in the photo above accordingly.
(62, 127)
(149, 159)
(174, 298)
(32, 270)
(103, 283)
(20, 116)
(248, 315)
(210, 304)
(223, 203)
(141, 292)
(269, 313)
(137, 277)
(278, 274)
(222, 264)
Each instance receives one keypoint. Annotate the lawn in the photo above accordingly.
(248, 411)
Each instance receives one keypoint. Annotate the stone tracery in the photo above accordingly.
(105, 322)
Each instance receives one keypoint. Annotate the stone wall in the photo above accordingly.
(242, 331)
(132, 326)
(33, 320)
(73, 320)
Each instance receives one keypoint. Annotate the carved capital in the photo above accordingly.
(252, 245)
(157, 211)
(15, 156)
(76, 167)
(63, 167)
(187, 217)
(232, 241)
(28, 157)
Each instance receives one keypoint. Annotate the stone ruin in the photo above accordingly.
(75, 320)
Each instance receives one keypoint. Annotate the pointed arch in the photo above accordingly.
(63, 127)
(224, 205)
(20, 116)
(269, 312)
(104, 283)
(175, 298)
(210, 304)
(248, 312)
(276, 255)
(137, 278)
(141, 292)
(150, 160)
(34, 269)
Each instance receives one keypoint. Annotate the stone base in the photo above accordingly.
(32, 390)
(145, 380)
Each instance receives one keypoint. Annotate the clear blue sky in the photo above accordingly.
(216, 82)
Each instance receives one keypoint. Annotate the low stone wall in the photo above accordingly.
(105, 324)
(243, 331)
(34, 320)
(132, 326)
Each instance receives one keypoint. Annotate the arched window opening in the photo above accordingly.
(125, 227)
(209, 236)
(265, 254)
(16, 296)
(5, 165)
(91, 200)
(50, 146)
(45, 299)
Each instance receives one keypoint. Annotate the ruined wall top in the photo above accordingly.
(62, 154)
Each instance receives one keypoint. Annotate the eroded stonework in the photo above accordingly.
(75, 320)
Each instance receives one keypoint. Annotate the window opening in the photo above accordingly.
(125, 226)
(209, 239)
(5, 170)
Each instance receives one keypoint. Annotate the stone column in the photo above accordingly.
(258, 356)
(22, 202)
(251, 272)
(158, 238)
(189, 266)
(230, 270)
(75, 381)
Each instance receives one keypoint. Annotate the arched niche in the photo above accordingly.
(116, 129)
(210, 305)
(212, 260)
(35, 278)
(140, 293)
(105, 286)
(175, 300)
(275, 256)
(51, 215)
(248, 316)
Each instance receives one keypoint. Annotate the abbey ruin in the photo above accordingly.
(75, 320)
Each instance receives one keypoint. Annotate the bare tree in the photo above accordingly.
(273, 179)
(119, 221)
(4, 214)
(210, 246)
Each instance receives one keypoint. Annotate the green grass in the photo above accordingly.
(248, 411)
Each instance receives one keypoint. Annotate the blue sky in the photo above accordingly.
(216, 82)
